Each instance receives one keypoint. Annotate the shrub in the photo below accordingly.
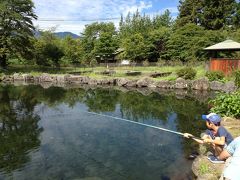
(93, 63)
(237, 78)
(145, 63)
(215, 75)
(161, 62)
(227, 104)
(187, 73)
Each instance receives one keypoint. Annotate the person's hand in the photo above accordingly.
(208, 140)
(187, 135)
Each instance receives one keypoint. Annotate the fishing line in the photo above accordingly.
(142, 124)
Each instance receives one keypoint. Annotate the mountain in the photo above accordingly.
(64, 34)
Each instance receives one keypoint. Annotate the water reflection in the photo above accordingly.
(19, 131)
(47, 132)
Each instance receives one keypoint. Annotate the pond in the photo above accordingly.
(47, 133)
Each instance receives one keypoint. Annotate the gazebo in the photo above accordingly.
(226, 65)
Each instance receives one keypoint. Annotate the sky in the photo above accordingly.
(73, 15)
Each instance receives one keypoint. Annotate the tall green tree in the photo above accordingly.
(217, 14)
(47, 49)
(135, 48)
(210, 14)
(94, 35)
(16, 28)
(187, 43)
(106, 44)
(73, 50)
(189, 12)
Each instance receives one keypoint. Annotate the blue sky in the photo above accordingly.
(73, 15)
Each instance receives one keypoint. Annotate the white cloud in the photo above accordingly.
(81, 11)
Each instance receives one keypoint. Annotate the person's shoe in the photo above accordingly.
(215, 160)
(210, 156)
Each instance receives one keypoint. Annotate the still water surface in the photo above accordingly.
(48, 134)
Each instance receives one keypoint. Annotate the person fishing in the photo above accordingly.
(216, 135)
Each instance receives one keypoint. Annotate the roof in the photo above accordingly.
(225, 45)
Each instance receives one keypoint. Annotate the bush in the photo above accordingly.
(187, 73)
(161, 62)
(145, 63)
(237, 78)
(215, 75)
(227, 104)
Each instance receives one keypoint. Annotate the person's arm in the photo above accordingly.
(217, 141)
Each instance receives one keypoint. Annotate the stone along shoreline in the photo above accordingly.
(199, 84)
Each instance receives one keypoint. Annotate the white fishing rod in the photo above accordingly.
(142, 124)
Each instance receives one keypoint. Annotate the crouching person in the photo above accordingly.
(232, 170)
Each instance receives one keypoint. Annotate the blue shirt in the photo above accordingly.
(220, 133)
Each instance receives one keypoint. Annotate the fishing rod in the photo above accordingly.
(142, 124)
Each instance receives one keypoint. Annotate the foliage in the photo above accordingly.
(214, 15)
(161, 62)
(237, 78)
(98, 39)
(217, 14)
(145, 63)
(105, 45)
(93, 63)
(16, 28)
(187, 73)
(188, 12)
(73, 50)
(151, 34)
(227, 104)
(203, 168)
(215, 75)
(47, 50)
(135, 48)
(187, 42)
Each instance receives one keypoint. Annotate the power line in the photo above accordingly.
(72, 20)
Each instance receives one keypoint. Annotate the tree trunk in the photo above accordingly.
(3, 61)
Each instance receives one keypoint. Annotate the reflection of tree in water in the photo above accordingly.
(19, 129)
(99, 100)
(136, 106)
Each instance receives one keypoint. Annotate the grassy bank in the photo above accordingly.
(98, 72)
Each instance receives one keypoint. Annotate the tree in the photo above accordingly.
(73, 50)
(93, 35)
(212, 15)
(106, 44)
(47, 49)
(16, 28)
(187, 43)
(135, 47)
(188, 12)
(217, 14)
(163, 20)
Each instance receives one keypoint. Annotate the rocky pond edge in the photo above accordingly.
(202, 84)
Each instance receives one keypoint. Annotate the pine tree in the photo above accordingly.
(189, 12)
(217, 14)
(210, 14)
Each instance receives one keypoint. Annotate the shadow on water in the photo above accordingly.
(47, 133)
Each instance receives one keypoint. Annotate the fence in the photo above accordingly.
(225, 65)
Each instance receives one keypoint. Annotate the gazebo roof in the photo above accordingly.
(225, 45)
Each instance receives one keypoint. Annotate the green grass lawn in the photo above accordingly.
(96, 72)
